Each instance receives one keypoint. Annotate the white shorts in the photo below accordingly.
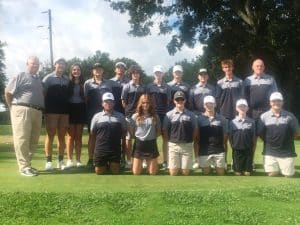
(275, 164)
(216, 160)
(180, 155)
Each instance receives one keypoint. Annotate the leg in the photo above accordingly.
(137, 166)
(174, 159)
(61, 133)
(185, 172)
(36, 118)
(100, 170)
(206, 170)
(173, 172)
(128, 149)
(220, 163)
(220, 171)
(165, 150)
(114, 167)
(186, 158)
(91, 146)
(70, 141)
(78, 140)
(152, 166)
(271, 166)
(51, 121)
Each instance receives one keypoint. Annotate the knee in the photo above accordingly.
(185, 172)
(173, 172)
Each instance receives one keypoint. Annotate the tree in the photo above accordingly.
(2, 73)
(237, 29)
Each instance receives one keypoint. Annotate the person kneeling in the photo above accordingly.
(108, 128)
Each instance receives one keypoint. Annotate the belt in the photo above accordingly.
(29, 105)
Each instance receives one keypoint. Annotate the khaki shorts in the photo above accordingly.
(180, 155)
(56, 120)
(275, 164)
(216, 160)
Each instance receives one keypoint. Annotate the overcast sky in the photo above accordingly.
(80, 27)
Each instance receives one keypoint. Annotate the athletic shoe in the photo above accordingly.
(34, 170)
(48, 166)
(61, 165)
(28, 172)
(196, 165)
(78, 164)
(144, 165)
(128, 165)
(69, 164)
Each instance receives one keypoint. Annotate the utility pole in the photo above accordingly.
(50, 36)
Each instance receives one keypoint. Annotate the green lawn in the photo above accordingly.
(78, 196)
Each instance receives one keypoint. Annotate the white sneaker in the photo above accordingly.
(144, 165)
(128, 165)
(69, 164)
(61, 165)
(48, 166)
(196, 165)
(78, 164)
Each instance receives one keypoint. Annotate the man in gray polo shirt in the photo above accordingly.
(25, 100)
(277, 128)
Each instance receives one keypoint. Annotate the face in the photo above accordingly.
(242, 109)
(203, 78)
(33, 65)
(227, 69)
(120, 70)
(76, 72)
(179, 103)
(209, 106)
(158, 75)
(258, 67)
(145, 105)
(98, 72)
(276, 104)
(177, 75)
(108, 105)
(60, 67)
(135, 76)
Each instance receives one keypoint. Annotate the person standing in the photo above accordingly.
(180, 129)
(130, 95)
(277, 128)
(25, 99)
(242, 136)
(197, 94)
(77, 116)
(56, 87)
(108, 128)
(145, 127)
(160, 94)
(212, 138)
(94, 88)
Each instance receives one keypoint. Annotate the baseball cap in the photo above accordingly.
(202, 70)
(241, 102)
(108, 96)
(276, 96)
(158, 68)
(179, 94)
(60, 61)
(120, 64)
(209, 99)
(97, 65)
(177, 68)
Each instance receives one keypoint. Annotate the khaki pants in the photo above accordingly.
(26, 125)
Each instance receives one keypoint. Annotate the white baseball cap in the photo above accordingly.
(177, 68)
(158, 68)
(209, 99)
(108, 96)
(276, 96)
(241, 102)
(120, 64)
(202, 70)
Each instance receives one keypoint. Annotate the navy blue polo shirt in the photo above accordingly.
(160, 96)
(257, 91)
(131, 94)
(180, 125)
(93, 94)
(182, 86)
(227, 93)
(212, 132)
(109, 130)
(242, 133)
(57, 93)
(278, 133)
(197, 94)
(117, 92)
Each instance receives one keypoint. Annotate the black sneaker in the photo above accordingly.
(28, 172)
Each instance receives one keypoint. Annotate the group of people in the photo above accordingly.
(196, 123)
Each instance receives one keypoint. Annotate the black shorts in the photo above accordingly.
(77, 113)
(242, 160)
(103, 160)
(145, 149)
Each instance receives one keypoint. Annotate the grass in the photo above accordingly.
(78, 196)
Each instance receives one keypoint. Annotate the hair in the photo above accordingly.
(72, 79)
(134, 68)
(227, 62)
(139, 109)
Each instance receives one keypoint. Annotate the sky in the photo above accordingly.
(80, 28)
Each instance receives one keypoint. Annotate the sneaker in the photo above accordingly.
(48, 166)
(144, 165)
(69, 164)
(128, 165)
(28, 172)
(164, 165)
(90, 164)
(61, 165)
(78, 164)
(34, 170)
(196, 165)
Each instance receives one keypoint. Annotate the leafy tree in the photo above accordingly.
(237, 29)
(2, 73)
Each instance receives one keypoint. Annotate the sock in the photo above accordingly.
(49, 158)
(60, 158)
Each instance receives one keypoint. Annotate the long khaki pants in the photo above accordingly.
(26, 125)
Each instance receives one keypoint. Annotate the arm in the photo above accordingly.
(8, 99)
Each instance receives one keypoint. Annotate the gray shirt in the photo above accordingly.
(27, 89)
(146, 129)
